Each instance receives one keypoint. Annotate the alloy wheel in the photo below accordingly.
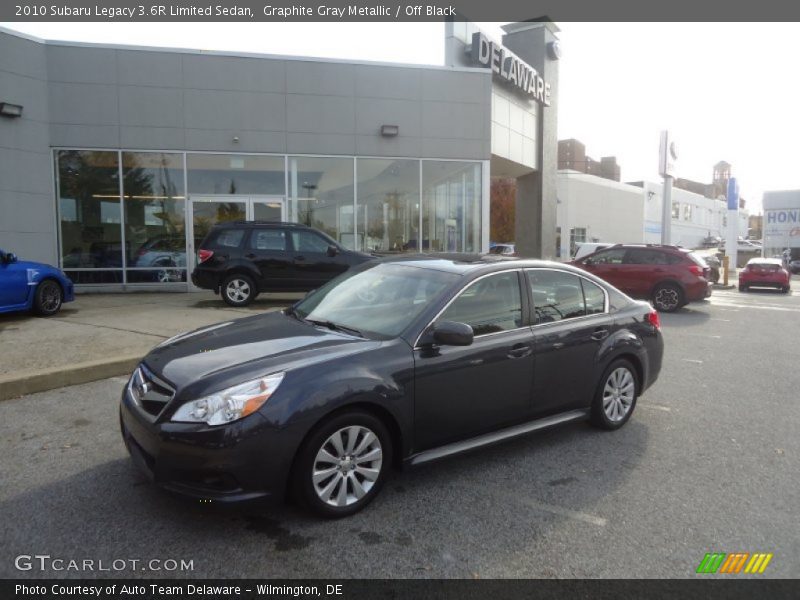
(618, 394)
(50, 297)
(347, 466)
(238, 290)
(667, 299)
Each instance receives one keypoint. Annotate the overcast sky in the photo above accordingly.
(726, 91)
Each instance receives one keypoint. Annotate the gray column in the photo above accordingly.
(536, 192)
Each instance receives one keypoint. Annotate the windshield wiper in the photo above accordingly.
(335, 326)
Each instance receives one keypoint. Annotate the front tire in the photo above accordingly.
(742, 287)
(48, 298)
(668, 297)
(343, 464)
(238, 290)
(616, 396)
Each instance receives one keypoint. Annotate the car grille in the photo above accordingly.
(149, 392)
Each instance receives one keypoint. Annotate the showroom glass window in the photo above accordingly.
(451, 201)
(236, 174)
(154, 205)
(321, 195)
(387, 214)
(90, 215)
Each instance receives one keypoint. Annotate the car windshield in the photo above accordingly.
(382, 300)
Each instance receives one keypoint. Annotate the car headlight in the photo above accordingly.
(230, 404)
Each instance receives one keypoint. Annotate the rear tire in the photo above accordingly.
(787, 289)
(238, 290)
(342, 466)
(48, 298)
(616, 395)
(668, 297)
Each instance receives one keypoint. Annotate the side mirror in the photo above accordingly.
(332, 250)
(10, 258)
(450, 333)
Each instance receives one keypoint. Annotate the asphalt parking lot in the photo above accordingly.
(708, 463)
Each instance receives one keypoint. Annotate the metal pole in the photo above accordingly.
(666, 215)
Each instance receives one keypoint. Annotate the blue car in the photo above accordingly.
(32, 286)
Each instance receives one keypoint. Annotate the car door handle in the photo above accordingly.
(600, 334)
(520, 351)
(658, 270)
(299, 258)
(251, 255)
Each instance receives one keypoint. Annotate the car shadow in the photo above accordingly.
(419, 526)
(691, 315)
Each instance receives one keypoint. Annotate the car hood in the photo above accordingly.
(262, 344)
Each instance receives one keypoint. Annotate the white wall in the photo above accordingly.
(610, 211)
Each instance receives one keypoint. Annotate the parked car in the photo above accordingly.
(794, 266)
(166, 255)
(712, 241)
(243, 258)
(765, 272)
(587, 248)
(669, 276)
(503, 250)
(396, 362)
(32, 286)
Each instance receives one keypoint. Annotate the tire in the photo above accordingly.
(742, 288)
(238, 290)
(715, 276)
(617, 391)
(668, 297)
(320, 459)
(48, 298)
(786, 289)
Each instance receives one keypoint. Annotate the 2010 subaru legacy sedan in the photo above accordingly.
(395, 362)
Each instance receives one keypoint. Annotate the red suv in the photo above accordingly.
(669, 276)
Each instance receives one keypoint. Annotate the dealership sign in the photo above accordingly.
(509, 68)
(782, 227)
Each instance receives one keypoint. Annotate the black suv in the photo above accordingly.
(243, 258)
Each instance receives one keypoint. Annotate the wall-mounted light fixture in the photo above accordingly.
(10, 110)
(390, 130)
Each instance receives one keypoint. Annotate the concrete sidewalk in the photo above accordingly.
(103, 335)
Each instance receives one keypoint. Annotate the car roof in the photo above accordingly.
(766, 261)
(467, 264)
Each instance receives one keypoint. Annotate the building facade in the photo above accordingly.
(781, 223)
(595, 209)
(124, 157)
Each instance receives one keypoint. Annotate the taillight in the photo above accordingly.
(654, 319)
(696, 270)
(204, 255)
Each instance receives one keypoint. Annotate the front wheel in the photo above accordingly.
(48, 298)
(615, 397)
(238, 290)
(668, 297)
(343, 465)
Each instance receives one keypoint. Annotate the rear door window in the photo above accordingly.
(640, 256)
(594, 297)
(557, 295)
(268, 240)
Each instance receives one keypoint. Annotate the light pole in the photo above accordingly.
(667, 155)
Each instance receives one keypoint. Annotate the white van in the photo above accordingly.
(586, 248)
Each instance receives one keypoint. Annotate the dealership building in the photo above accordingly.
(116, 160)
(781, 223)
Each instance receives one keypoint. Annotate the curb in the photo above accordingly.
(15, 385)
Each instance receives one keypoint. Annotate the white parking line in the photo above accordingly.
(656, 407)
(693, 361)
(759, 306)
(565, 512)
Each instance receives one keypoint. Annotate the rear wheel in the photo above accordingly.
(238, 290)
(343, 464)
(786, 289)
(48, 298)
(615, 397)
(668, 297)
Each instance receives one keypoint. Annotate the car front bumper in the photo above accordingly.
(247, 460)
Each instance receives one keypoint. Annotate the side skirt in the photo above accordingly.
(495, 437)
